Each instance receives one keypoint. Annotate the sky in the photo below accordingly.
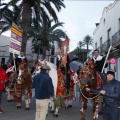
(79, 18)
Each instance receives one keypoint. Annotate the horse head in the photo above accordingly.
(23, 72)
(38, 66)
(91, 64)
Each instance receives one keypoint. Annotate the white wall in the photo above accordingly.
(111, 16)
(4, 47)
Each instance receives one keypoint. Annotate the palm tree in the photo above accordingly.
(40, 9)
(8, 16)
(88, 41)
(46, 35)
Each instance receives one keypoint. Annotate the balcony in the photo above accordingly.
(106, 45)
(116, 39)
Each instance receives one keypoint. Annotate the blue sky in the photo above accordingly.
(79, 18)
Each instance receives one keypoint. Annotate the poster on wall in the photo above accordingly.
(64, 51)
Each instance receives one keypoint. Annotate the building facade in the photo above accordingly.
(107, 33)
(5, 54)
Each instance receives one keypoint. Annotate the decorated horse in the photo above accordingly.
(10, 83)
(89, 77)
(65, 88)
(23, 83)
(59, 83)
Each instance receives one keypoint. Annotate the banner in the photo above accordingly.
(64, 51)
(16, 39)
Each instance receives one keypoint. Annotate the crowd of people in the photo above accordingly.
(43, 82)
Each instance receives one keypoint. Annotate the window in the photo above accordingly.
(119, 23)
(109, 34)
(100, 41)
(96, 45)
(101, 44)
(104, 21)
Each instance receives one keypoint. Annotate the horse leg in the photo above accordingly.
(102, 108)
(66, 103)
(56, 112)
(52, 105)
(9, 96)
(18, 105)
(27, 101)
(83, 110)
(95, 110)
(70, 103)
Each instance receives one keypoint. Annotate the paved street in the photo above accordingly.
(12, 113)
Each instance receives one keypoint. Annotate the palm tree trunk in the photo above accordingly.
(26, 14)
(87, 50)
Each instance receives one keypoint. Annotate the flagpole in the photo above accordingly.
(14, 61)
(106, 58)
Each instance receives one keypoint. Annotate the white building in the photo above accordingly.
(107, 33)
(5, 54)
(4, 48)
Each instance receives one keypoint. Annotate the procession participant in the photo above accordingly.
(99, 61)
(19, 59)
(4, 66)
(10, 83)
(111, 93)
(74, 77)
(58, 60)
(42, 60)
(79, 69)
(42, 83)
(3, 79)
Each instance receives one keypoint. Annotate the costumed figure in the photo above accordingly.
(89, 77)
(23, 83)
(39, 64)
(99, 62)
(10, 83)
(18, 60)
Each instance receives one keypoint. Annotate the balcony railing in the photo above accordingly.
(116, 38)
(106, 45)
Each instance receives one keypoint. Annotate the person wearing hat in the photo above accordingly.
(42, 83)
(111, 93)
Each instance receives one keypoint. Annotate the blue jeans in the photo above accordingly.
(0, 97)
(111, 113)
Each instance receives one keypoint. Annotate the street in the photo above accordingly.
(12, 113)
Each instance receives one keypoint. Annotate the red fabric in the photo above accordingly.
(3, 78)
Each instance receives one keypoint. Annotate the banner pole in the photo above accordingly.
(14, 61)
(106, 58)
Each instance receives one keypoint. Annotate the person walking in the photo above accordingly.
(111, 93)
(42, 83)
(3, 79)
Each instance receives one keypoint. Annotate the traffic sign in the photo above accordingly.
(112, 60)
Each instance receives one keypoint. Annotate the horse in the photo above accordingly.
(58, 79)
(52, 74)
(23, 83)
(10, 83)
(89, 77)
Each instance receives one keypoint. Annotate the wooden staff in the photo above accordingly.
(14, 61)
(106, 58)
